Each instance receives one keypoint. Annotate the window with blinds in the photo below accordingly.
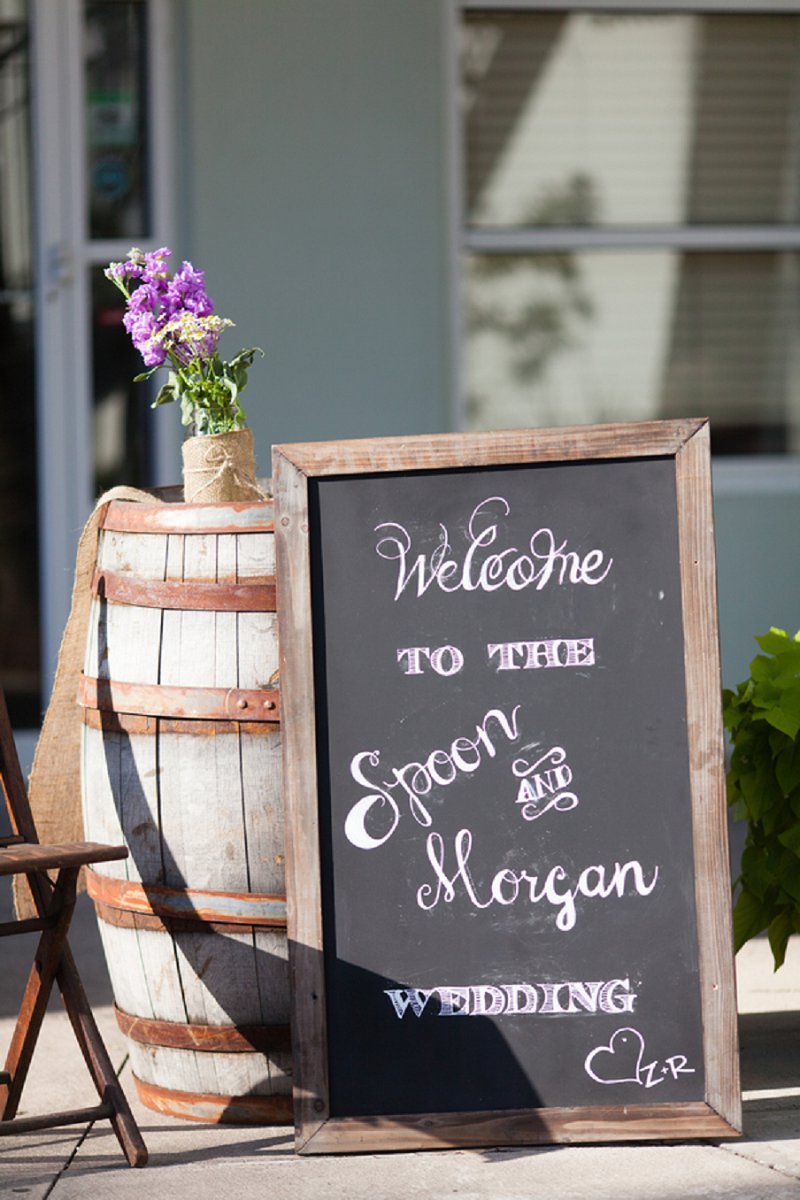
(631, 195)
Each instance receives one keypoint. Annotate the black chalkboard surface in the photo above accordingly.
(509, 909)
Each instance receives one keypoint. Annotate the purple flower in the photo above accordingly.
(171, 322)
(153, 353)
(187, 292)
(191, 338)
(146, 298)
(144, 329)
(155, 263)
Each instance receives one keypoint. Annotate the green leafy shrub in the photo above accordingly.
(763, 718)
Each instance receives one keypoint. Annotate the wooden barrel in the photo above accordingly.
(181, 761)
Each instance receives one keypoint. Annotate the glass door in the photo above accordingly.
(100, 69)
(19, 582)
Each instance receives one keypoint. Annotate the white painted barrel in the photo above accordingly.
(181, 761)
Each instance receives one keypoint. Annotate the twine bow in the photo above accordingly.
(226, 471)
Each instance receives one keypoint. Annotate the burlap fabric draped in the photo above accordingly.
(55, 780)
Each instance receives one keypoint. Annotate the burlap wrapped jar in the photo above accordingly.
(220, 466)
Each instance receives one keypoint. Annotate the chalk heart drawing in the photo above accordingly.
(620, 1061)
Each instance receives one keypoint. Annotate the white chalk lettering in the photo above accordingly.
(521, 998)
(550, 652)
(508, 887)
(564, 998)
(413, 998)
(544, 560)
(676, 1065)
(622, 1061)
(543, 783)
(412, 656)
(373, 818)
(445, 660)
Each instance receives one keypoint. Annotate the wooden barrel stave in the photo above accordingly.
(159, 791)
(119, 777)
(245, 1074)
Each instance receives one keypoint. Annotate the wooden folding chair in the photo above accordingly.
(21, 853)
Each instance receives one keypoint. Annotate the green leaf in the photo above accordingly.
(763, 669)
(766, 693)
(187, 409)
(146, 374)
(758, 787)
(762, 717)
(785, 672)
(246, 356)
(757, 873)
(787, 767)
(785, 715)
(779, 932)
(788, 876)
(739, 806)
(166, 395)
(784, 662)
(777, 742)
(790, 838)
(774, 642)
(750, 917)
(233, 389)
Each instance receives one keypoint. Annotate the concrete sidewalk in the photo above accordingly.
(195, 1162)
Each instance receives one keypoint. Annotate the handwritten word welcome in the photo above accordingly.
(544, 560)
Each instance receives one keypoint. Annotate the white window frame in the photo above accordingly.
(732, 476)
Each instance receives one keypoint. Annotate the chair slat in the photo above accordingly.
(31, 856)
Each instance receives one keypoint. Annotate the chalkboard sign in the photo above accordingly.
(509, 899)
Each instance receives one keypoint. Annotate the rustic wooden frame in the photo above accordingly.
(719, 1115)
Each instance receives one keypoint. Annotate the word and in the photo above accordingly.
(511, 656)
(595, 882)
(543, 784)
(373, 819)
(622, 1061)
(515, 999)
(544, 560)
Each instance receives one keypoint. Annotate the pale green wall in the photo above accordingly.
(758, 573)
(313, 193)
(313, 180)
